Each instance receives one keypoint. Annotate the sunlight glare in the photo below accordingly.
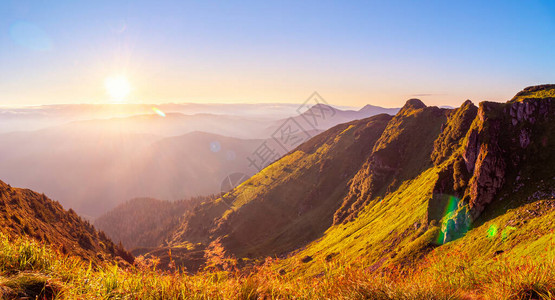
(117, 87)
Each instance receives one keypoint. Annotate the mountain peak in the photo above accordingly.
(322, 106)
(414, 104)
(467, 103)
(368, 106)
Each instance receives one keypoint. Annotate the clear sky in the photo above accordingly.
(351, 52)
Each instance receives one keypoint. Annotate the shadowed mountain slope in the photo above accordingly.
(26, 213)
(144, 222)
(401, 153)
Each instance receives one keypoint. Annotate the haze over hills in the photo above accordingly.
(96, 172)
(322, 116)
(39, 117)
(103, 162)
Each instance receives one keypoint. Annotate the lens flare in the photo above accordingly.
(450, 208)
(505, 233)
(159, 112)
(492, 230)
(215, 146)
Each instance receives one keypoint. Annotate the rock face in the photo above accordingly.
(442, 193)
(500, 130)
(503, 139)
(527, 111)
(484, 158)
(458, 123)
(489, 177)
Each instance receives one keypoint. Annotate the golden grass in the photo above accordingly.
(454, 275)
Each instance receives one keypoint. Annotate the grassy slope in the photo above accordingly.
(380, 231)
(293, 200)
(457, 270)
(395, 227)
(27, 213)
(535, 92)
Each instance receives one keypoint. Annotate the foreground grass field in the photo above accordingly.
(31, 269)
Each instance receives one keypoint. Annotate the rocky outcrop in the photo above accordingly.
(500, 136)
(527, 111)
(484, 158)
(503, 139)
(443, 190)
(456, 225)
(456, 127)
(412, 104)
(489, 177)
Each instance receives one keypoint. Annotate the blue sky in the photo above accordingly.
(352, 53)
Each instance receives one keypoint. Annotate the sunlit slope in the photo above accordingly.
(381, 231)
(523, 232)
(535, 92)
(387, 195)
(489, 194)
(292, 201)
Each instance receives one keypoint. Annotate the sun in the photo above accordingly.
(117, 87)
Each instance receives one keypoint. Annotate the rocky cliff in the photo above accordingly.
(504, 141)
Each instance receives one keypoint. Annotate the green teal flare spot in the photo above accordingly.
(159, 112)
(505, 233)
(450, 208)
(492, 231)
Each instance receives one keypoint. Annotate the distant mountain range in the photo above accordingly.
(322, 116)
(93, 165)
(40, 117)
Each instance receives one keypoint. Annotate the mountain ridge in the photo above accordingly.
(452, 150)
